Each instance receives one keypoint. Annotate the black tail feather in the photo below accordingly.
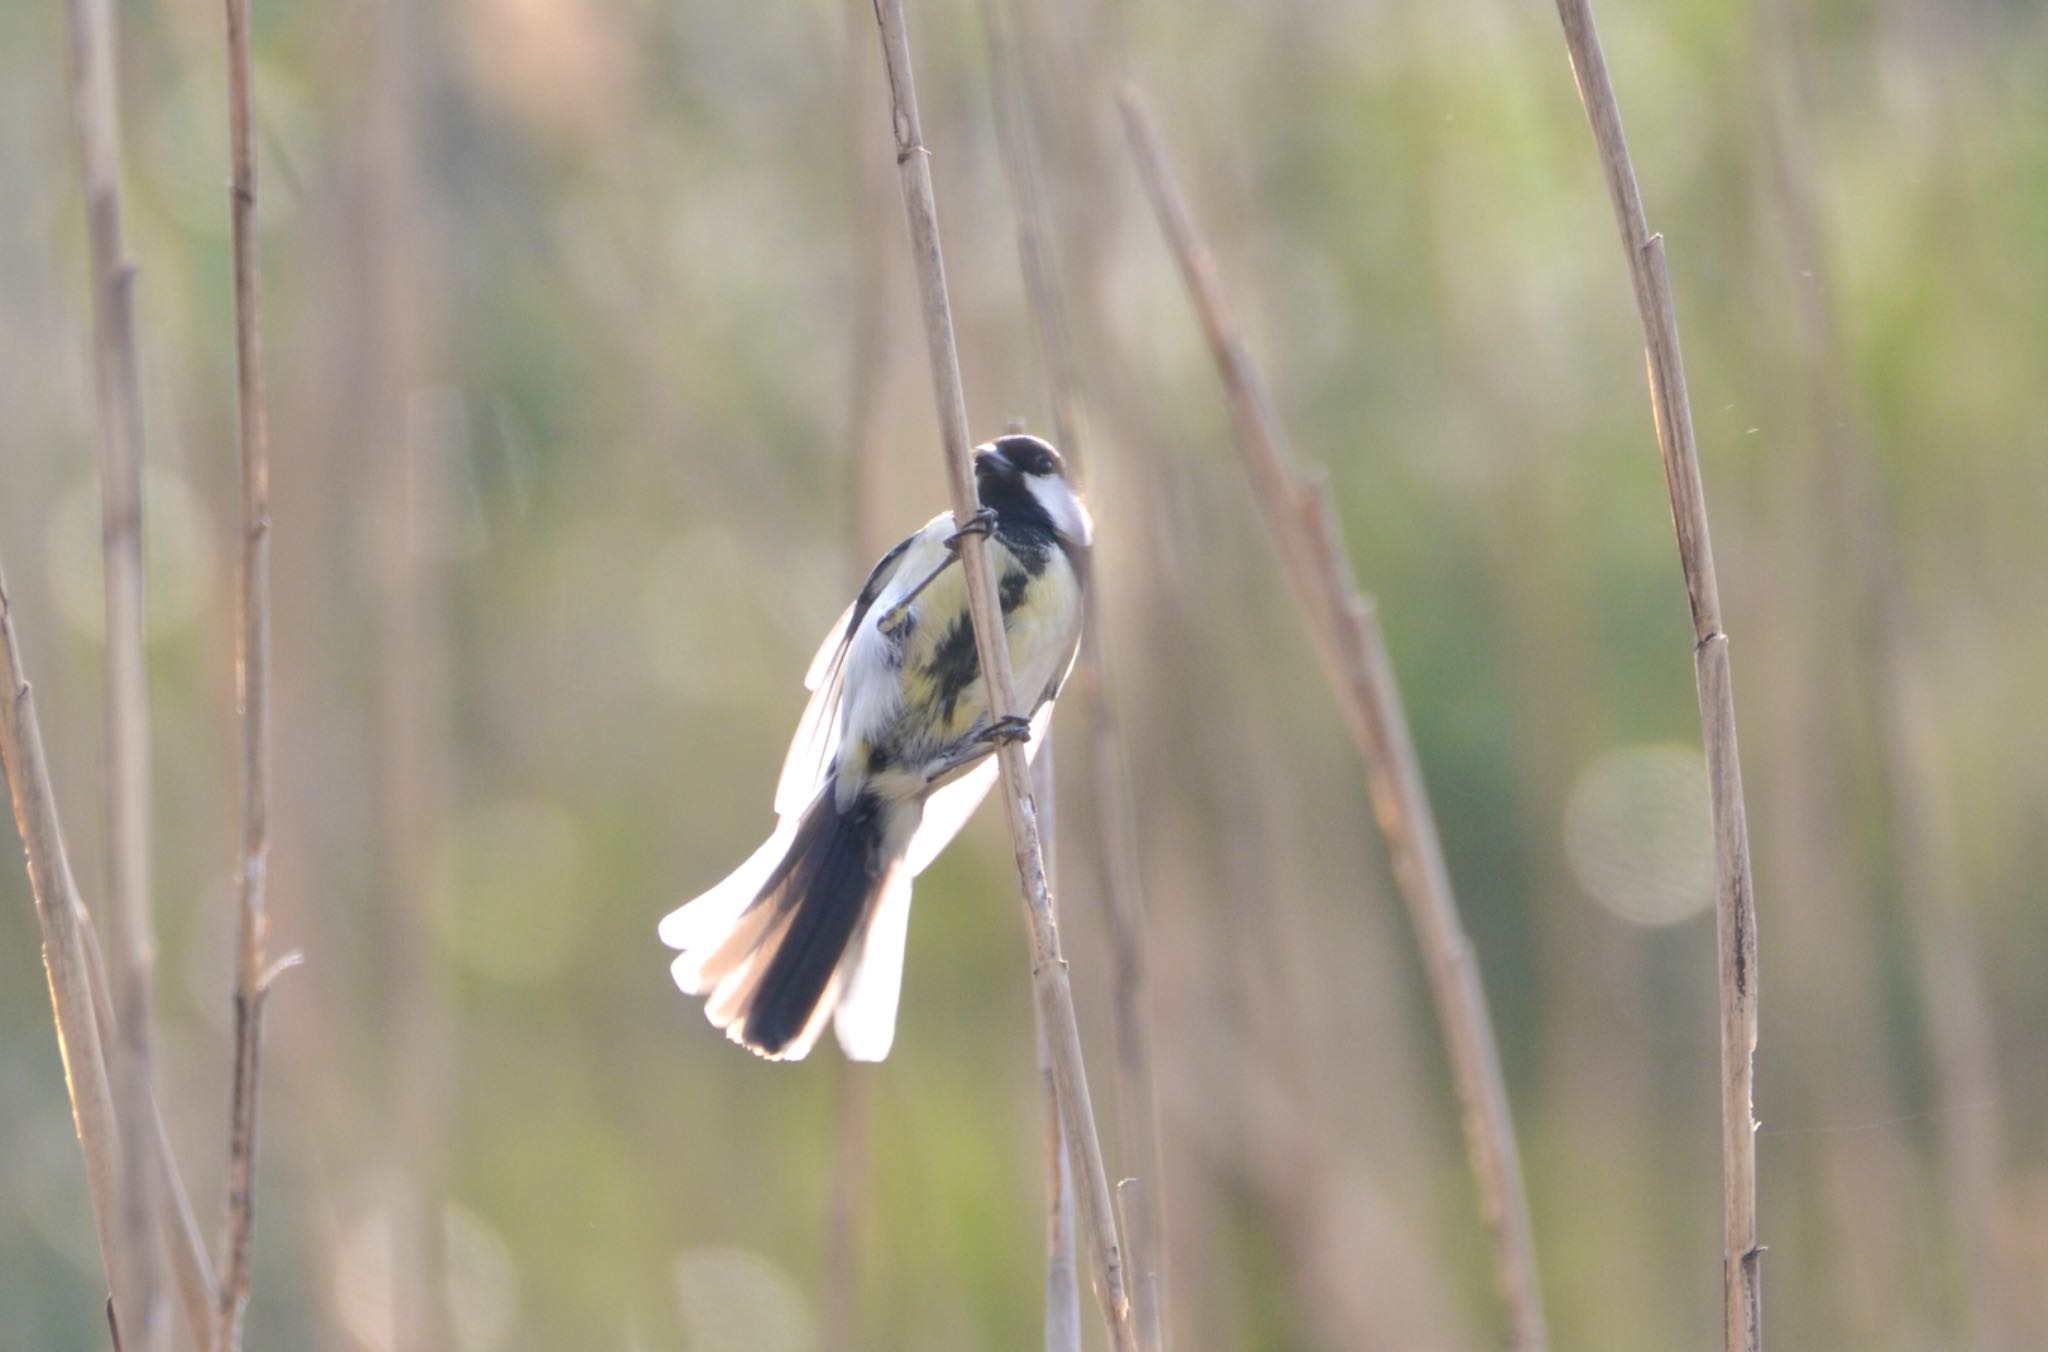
(823, 886)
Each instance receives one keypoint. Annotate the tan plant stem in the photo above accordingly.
(839, 1306)
(868, 349)
(1116, 830)
(1062, 1280)
(191, 1270)
(1955, 1006)
(141, 1317)
(404, 464)
(252, 684)
(1050, 983)
(65, 930)
(1734, 900)
(1302, 526)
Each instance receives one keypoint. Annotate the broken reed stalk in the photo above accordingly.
(65, 930)
(1955, 1007)
(1137, 1101)
(1051, 987)
(1301, 523)
(252, 683)
(141, 1318)
(1734, 899)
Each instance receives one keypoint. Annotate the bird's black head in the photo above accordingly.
(1018, 456)
(1025, 481)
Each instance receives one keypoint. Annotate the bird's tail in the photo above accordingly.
(812, 925)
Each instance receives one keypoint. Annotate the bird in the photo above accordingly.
(890, 758)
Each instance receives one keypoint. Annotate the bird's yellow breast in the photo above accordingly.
(943, 691)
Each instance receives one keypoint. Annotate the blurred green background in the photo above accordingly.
(596, 380)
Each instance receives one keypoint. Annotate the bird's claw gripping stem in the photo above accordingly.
(1008, 728)
(980, 522)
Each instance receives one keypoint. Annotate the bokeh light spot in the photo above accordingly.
(733, 1301)
(1638, 836)
(482, 1281)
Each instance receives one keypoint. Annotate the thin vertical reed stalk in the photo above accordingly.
(871, 348)
(1734, 898)
(1302, 525)
(1053, 991)
(141, 1319)
(411, 674)
(1137, 1101)
(839, 1308)
(1948, 964)
(66, 931)
(252, 685)
(191, 1270)
(868, 350)
(1062, 1281)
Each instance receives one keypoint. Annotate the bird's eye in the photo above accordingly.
(1030, 457)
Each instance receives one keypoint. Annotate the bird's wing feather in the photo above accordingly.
(818, 731)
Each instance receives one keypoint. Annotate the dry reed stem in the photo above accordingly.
(1734, 899)
(141, 1312)
(871, 346)
(868, 349)
(65, 930)
(1062, 1282)
(1116, 830)
(1051, 987)
(1302, 526)
(1954, 1003)
(411, 678)
(252, 681)
(839, 1303)
(191, 1270)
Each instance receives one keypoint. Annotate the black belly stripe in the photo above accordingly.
(954, 665)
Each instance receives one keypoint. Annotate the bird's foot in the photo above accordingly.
(981, 522)
(1008, 728)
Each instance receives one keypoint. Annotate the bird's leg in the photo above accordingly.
(943, 770)
(969, 750)
(1008, 728)
(980, 523)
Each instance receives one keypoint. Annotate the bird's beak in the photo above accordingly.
(987, 462)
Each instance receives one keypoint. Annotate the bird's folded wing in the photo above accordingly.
(819, 731)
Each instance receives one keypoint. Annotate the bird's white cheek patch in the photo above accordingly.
(1069, 517)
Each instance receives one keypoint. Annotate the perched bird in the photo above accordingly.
(891, 757)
